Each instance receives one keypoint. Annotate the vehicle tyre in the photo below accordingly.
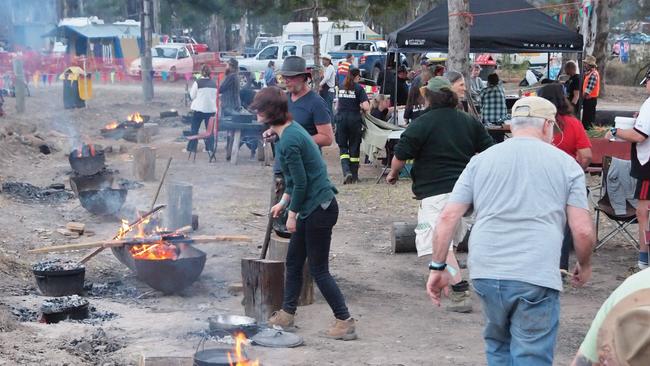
(172, 74)
(375, 73)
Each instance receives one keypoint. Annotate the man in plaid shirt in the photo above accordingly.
(493, 101)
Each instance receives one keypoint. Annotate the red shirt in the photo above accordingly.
(573, 136)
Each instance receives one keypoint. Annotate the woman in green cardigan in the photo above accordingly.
(313, 211)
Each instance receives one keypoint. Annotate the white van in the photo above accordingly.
(333, 35)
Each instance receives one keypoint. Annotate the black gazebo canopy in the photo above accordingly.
(503, 26)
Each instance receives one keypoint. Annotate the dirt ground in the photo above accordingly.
(397, 324)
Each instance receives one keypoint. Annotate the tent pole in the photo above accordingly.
(548, 65)
(580, 68)
(395, 115)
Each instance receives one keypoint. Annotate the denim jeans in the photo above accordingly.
(311, 241)
(521, 322)
(197, 119)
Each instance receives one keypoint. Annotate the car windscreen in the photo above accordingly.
(164, 52)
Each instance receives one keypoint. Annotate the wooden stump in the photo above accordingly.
(402, 237)
(144, 163)
(179, 205)
(263, 282)
(278, 248)
(235, 147)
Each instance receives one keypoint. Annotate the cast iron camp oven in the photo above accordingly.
(59, 278)
(101, 180)
(216, 356)
(57, 309)
(106, 201)
(87, 160)
(171, 275)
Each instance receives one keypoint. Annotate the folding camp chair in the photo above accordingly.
(210, 131)
(622, 221)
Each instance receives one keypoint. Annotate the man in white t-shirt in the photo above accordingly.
(638, 136)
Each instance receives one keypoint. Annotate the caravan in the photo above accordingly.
(333, 35)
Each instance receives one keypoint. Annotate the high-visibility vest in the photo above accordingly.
(344, 68)
(596, 90)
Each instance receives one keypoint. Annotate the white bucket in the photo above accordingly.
(624, 123)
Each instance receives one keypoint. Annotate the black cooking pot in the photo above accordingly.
(77, 313)
(171, 276)
(60, 283)
(87, 165)
(214, 357)
(107, 201)
(101, 180)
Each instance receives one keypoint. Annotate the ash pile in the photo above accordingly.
(28, 193)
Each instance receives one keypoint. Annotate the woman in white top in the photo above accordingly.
(204, 106)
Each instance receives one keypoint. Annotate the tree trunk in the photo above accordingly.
(315, 74)
(595, 29)
(147, 36)
(458, 58)
(156, 17)
(144, 164)
(243, 30)
(216, 35)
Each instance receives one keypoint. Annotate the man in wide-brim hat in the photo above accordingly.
(590, 91)
(620, 332)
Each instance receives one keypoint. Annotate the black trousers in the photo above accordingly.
(349, 131)
(589, 112)
(197, 119)
(312, 241)
(567, 247)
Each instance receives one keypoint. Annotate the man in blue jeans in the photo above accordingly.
(523, 192)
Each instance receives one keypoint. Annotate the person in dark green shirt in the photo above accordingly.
(441, 142)
(313, 211)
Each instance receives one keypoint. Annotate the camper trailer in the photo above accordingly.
(333, 34)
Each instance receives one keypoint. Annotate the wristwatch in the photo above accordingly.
(613, 131)
(433, 266)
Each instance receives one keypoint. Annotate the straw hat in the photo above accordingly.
(624, 336)
(590, 60)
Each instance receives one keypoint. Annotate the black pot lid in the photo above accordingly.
(277, 339)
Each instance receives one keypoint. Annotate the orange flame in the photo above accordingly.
(154, 252)
(238, 359)
(111, 126)
(91, 150)
(135, 117)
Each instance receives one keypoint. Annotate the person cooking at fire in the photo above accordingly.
(352, 101)
(310, 198)
(309, 110)
(229, 89)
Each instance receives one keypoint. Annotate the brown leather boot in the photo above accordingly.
(282, 319)
(342, 329)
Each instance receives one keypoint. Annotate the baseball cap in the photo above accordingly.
(534, 107)
(624, 335)
(437, 83)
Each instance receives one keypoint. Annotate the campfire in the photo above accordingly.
(154, 252)
(135, 117)
(112, 125)
(238, 358)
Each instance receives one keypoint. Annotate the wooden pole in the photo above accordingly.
(263, 282)
(19, 85)
(179, 205)
(201, 239)
(162, 179)
(144, 163)
(147, 37)
(458, 58)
